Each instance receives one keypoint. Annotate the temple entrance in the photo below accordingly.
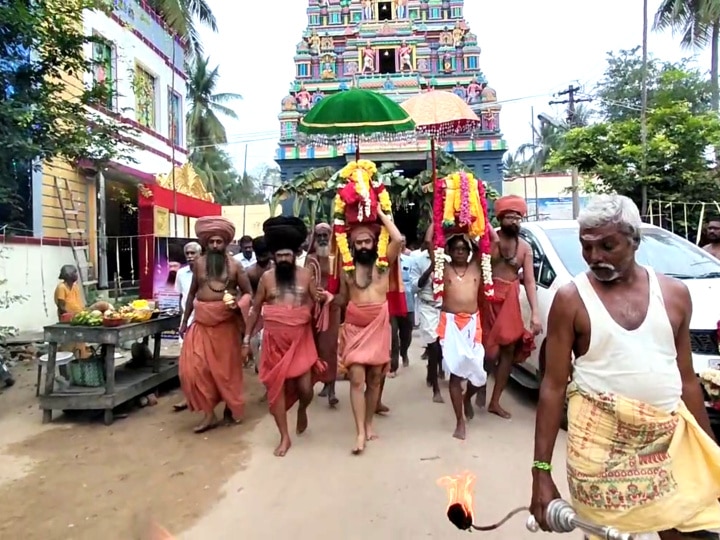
(385, 11)
(387, 61)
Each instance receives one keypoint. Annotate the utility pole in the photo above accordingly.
(571, 101)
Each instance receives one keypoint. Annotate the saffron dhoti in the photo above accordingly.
(365, 336)
(209, 366)
(637, 468)
(288, 350)
(502, 322)
(461, 341)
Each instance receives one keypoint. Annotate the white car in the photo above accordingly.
(557, 258)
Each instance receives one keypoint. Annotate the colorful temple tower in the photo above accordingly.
(399, 48)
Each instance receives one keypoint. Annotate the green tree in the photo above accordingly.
(45, 109)
(181, 15)
(699, 23)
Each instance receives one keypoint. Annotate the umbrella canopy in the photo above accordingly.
(357, 115)
(439, 114)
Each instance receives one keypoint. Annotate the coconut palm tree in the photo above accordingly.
(205, 104)
(180, 16)
(699, 23)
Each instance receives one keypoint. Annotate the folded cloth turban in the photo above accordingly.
(282, 232)
(323, 227)
(359, 231)
(510, 203)
(209, 226)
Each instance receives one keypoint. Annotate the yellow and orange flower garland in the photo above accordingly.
(461, 205)
(362, 174)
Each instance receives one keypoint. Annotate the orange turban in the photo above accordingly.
(323, 227)
(358, 231)
(209, 226)
(510, 203)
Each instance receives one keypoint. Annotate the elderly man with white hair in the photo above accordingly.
(641, 455)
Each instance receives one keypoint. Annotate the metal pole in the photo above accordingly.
(102, 236)
(643, 112)
(534, 163)
(245, 177)
(172, 136)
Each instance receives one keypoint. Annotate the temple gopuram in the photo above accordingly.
(399, 48)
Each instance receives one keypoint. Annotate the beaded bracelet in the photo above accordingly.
(542, 466)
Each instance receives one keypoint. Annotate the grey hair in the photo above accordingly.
(195, 245)
(66, 270)
(612, 209)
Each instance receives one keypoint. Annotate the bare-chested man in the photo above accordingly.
(364, 348)
(713, 237)
(620, 333)
(320, 262)
(209, 369)
(263, 262)
(286, 298)
(505, 338)
(459, 329)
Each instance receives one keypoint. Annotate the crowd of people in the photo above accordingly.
(641, 452)
(642, 456)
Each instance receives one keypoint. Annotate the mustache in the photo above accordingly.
(602, 266)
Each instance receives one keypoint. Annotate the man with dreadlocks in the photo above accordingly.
(286, 297)
(209, 367)
(321, 263)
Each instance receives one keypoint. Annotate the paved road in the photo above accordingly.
(320, 491)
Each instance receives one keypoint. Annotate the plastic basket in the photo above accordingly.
(88, 373)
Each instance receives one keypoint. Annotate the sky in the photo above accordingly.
(530, 50)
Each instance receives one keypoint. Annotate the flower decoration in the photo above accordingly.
(460, 206)
(711, 382)
(357, 202)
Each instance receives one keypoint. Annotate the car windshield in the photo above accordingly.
(663, 251)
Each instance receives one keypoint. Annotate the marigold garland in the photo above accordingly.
(460, 205)
(362, 174)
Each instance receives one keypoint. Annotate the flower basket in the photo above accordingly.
(711, 382)
(357, 202)
(88, 373)
(460, 207)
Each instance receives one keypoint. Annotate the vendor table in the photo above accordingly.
(120, 386)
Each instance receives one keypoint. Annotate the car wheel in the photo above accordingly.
(542, 362)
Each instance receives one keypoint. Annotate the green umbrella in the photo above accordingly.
(357, 115)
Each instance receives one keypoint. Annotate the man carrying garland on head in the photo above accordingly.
(320, 262)
(505, 338)
(364, 348)
(286, 297)
(209, 368)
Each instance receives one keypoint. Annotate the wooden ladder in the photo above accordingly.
(77, 235)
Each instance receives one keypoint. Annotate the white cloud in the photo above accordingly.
(530, 50)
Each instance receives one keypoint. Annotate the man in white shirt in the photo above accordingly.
(183, 280)
(246, 257)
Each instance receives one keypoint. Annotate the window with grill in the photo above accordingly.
(335, 18)
(303, 70)
(104, 71)
(471, 62)
(145, 88)
(175, 117)
(435, 13)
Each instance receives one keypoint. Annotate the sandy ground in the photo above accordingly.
(78, 479)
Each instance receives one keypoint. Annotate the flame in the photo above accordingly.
(459, 490)
(159, 533)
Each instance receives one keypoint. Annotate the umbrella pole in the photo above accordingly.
(357, 147)
(432, 160)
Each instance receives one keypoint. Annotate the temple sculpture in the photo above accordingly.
(187, 181)
(399, 48)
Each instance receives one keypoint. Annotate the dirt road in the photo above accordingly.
(320, 491)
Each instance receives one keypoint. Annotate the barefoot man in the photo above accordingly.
(364, 348)
(505, 338)
(459, 328)
(263, 262)
(320, 264)
(286, 297)
(209, 368)
(640, 450)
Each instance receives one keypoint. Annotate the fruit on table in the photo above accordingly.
(140, 304)
(87, 318)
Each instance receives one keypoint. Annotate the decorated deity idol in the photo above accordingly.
(458, 34)
(474, 91)
(367, 11)
(304, 99)
(368, 54)
(405, 54)
(401, 10)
